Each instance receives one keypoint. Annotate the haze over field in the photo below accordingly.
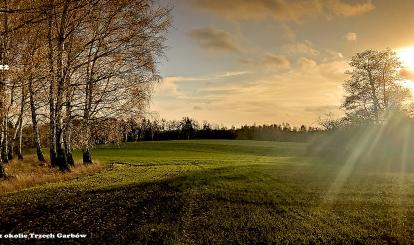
(240, 62)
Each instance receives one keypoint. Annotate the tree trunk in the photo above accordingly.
(1, 143)
(10, 149)
(2, 171)
(52, 138)
(69, 158)
(52, 112)
(60, 160)
(36, 134)
(68, 151)
(86, 155)
(57, 82)
(3, 48)
(87, 159)
(374, 97)
(17, 132)
(19, 148)
(67, 136)
(5, 142)
(19, 128)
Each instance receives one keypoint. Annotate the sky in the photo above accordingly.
(236, 62)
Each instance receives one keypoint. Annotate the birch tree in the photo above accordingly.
(78, 63)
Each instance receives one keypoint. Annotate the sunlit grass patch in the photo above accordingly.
(29, 172)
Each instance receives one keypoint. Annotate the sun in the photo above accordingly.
(406, 56)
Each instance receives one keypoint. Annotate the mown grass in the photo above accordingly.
(217, 191)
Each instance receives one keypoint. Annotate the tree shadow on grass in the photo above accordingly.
(142, 213)
(184, 209)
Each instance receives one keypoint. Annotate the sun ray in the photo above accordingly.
(347, 169)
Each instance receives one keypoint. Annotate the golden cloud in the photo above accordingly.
(275, 61)
(214, 39)
(284, 10)
(407, 74)
(305, 93)
(340, 7)
(351, 36)
(300, 48)
(306, 63)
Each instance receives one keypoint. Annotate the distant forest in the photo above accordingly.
(132, 130)
(188, 128)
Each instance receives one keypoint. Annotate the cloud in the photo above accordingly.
(340, 7)
(172, 86)
(214, 39)
(168, 86)
(271, 61)
(296, 96)
(321, 109)
(304, 48)
(332, 56)
(288, 33)
(351, 36)
(284, 10)
(248, 10)
(268, 61)
(407, 74)
(306, 63)
(232, 74)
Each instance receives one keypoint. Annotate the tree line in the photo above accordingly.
(133, 130)
(74, 64)
(116, 131)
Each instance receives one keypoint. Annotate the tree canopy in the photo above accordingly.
(374, 86)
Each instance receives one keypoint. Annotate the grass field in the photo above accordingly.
(216, 191)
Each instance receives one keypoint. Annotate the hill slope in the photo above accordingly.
(216, 191)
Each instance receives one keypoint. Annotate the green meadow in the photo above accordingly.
(216, 191)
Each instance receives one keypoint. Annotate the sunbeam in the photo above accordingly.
(346, 170)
